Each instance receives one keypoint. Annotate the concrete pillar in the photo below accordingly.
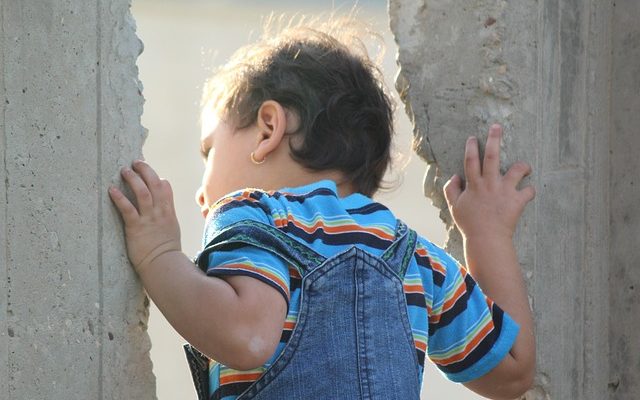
(563, 77)
(73, 315)
(624, 186)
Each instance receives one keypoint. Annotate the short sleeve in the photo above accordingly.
(244, 259)
(468, 333)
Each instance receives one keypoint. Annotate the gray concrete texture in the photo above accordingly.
(563, 77)
(73, 316)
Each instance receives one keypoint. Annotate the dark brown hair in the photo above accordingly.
(320, 70)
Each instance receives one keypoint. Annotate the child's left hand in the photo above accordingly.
(151, 228)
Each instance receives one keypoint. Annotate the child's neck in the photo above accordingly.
(344, 187)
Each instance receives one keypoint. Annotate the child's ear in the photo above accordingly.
(272, 124)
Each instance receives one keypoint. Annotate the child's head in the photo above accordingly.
(308, 98)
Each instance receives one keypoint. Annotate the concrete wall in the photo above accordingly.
(624, 133)
(72, 313)
(563, 77)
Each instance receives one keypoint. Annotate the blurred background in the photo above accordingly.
(184, 40)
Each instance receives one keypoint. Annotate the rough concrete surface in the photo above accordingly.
(562, 77)
(72, 312)
(624, 127)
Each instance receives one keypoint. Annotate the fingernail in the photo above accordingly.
(471, 138)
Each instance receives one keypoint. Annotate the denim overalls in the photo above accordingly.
(352, 338)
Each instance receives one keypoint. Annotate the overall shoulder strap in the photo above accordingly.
(399, 254)
(266, 237)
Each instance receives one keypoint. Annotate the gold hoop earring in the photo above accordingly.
(253, 159)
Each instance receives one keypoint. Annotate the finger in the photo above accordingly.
(124, 206)
(516, 172)
(527, 193)
(452, 190)
(167, 198)
(150, 178)
(491, 163)
(142, 193)
(471, 161)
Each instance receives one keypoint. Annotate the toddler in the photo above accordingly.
(305, 287)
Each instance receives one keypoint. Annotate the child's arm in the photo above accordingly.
(487, 212)
(233, 320)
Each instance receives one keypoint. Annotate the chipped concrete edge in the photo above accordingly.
(127, 366)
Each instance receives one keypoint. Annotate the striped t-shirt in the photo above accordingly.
(453, 323)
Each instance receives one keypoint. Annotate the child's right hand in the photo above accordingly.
(490, 204)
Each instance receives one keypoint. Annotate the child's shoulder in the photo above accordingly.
(245, 204)
(316, 197)
(255, 202)
(311, 207)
